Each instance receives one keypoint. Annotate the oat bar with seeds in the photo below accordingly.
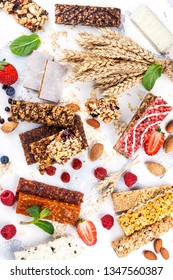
(124, 201)
(49, 114)
(154, 210)
(105, 109)
(26, 12)
(126, 244)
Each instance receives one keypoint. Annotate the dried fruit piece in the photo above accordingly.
(87, 232)
(168, 146)
(107, 221)
(8, 231)
(9, 126)
(96, 151)
(130, 179)
(150, 255)
(51, 170)
(76, 163)
(73, 106)
(8, 198)
(164, 252)
(155, 168)
(169, 127)
(94, 123)
(157, 245)
(65, 177)
(154, 142)
(100, 173)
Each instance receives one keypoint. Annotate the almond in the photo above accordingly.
(155, 168)
(157, 245)
(169, 127)
(94, 123)
(9, 126)
(96, 151)
(168, 145)
(164, 252)
(150, 255)
(73, 106)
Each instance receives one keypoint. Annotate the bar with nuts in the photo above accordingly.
(26, 12)
(87, 15)
(49, 114)
(126, 244)
(105, 109)
(154, 210)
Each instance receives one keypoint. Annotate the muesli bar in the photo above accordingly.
(154, 210)
(61, 212)
(126, 244)
(152, 111)
(105, 109)
(26, 12)
(124, 201)
(48, 114)
(47, 191)
(87, 15)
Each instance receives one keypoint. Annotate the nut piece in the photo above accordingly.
(164, 252)
(155, 168)
(168, 145)
(150, 255)
(157, 245)
(94, 123)
(73, 106)
(96, 151)
(169, 127)
(9, 126)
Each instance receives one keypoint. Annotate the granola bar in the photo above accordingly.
(124, 201)
(154, 210)
(105, 109)
(26, 12)
(61, 212)
(48, 191)
(49, 114)
(126, 244)
(152, 111)
(87, 15)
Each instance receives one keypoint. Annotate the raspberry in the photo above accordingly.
(130, 179)
(7, 198)
(107, 221)
(8, 231)
(51, 170)
(65, 177)
(100, 173)
(76, 163)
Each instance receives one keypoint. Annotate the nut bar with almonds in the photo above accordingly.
(152, 111)
(26, 12)
(105, 109)
(49, 114)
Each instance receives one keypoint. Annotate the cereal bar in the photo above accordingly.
(126, 244)
(154, 210)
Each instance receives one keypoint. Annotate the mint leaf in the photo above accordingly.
(34, 211)
(46, 226)
(24, 45)
(44, 213)
(151, 75)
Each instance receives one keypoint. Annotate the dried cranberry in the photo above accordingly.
(100, 173)
(51, 170)
(8, 198)
(76, 163)
(65, 177)
(8, 231)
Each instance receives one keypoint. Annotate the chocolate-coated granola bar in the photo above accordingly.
(26, 12)
(87, 15)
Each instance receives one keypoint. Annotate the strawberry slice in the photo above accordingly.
(87, 232)
(154, 142)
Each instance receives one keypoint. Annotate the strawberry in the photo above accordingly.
(8, 73)
(154, 142)
(87, 232)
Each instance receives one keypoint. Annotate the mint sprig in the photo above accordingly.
(38, 214)
(153, 72)
(25, 45)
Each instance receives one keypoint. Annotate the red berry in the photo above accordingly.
(65, 177)
(7, 198)
(76, 163)
(100, 173)
(130, 179)
(107, 221)
(51, 170)
(8, 231)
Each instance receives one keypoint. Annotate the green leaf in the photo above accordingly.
(34, 211)
(24, 45)
(151, 75)
(46, 226)
(3, 63)
(45, 213)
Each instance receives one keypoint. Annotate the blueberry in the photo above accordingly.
(7, 109)
(4, 87)
(4, 159)
(2, 120)
(10, 91)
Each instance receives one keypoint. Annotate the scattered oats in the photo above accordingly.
(140, 95)
(93, 94)
(1, 187)
(59, 229)
(78, 88)
(132, 109)
(120, 126)
(4, 168)
(22, 232)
